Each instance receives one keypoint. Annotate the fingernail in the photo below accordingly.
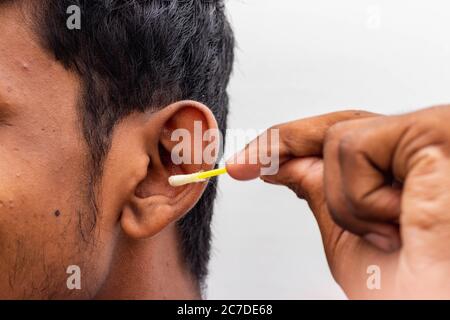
(382, 242)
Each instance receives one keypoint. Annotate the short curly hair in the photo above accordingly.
(138, 55)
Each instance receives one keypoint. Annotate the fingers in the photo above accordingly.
(301, 138)
(304, 176)
(348, 255)
(366, 168)
(361, 194)
(359, 185)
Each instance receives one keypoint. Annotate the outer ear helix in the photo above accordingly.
(153, 204)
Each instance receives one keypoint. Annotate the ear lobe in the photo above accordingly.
(138, 223)
(155, 204)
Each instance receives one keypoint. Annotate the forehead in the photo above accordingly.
(27, 71)
(38, 97)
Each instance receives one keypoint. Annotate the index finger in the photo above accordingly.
(296, 139)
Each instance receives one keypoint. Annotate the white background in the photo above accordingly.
(298, 58)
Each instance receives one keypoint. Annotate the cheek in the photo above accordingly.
(45, 222)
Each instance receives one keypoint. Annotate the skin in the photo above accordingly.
(46, 217)
(133, 249)
(378, 187)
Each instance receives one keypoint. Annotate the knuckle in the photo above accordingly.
(334, 132)
(426, 203)
(430, 157)
(345, 218)
(350, 147)
(347, 146)
(341, 133)
(422, 219)
(337, 217)
(359, 203)
(360, 211)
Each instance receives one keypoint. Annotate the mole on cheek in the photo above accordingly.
(57, 213)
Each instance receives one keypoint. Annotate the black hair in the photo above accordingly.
(139, 55)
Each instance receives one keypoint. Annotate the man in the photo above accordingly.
(379, 189)
(85, 122)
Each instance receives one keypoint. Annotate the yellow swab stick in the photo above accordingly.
(183, 179)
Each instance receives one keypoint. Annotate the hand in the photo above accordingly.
(379, 188)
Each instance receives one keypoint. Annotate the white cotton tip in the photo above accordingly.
(183, 179)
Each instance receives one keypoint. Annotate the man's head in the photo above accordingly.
(85, 123)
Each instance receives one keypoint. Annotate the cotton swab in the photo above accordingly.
(183, 179)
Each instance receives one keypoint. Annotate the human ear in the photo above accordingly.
(182, 138)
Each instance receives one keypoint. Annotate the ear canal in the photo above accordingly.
(156, 182)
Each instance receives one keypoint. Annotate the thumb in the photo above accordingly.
(425, 218)
(295, 139)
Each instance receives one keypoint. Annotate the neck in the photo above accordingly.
(149, 269)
